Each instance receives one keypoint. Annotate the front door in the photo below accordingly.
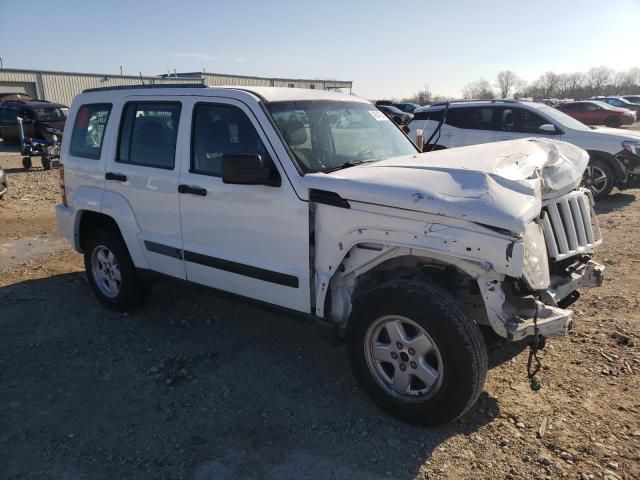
(252, 240)
(515, 123)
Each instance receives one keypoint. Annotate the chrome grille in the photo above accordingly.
(570, 224)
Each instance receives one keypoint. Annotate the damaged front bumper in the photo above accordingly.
(519, 316)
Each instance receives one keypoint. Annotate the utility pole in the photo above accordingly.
(1, 64)
(120, 70)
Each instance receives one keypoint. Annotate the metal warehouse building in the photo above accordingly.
(61, 87)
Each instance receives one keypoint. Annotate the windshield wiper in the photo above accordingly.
(351, 163)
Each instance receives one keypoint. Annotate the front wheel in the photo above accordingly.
(416, 353)
(26, 163)
(599, 178)
(46, 163)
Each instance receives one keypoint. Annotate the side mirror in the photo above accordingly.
(247, 169)
(548, 128)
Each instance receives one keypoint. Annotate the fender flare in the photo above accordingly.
(118, 208)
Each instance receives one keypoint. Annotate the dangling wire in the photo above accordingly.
(534, 346)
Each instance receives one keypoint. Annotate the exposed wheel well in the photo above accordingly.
(419, 268)
(90, 221)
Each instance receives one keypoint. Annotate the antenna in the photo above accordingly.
(120, 70)
(141, 79)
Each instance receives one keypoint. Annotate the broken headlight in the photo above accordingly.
(632, 147)
(535, 268)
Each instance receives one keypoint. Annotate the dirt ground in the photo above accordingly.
(197, 386)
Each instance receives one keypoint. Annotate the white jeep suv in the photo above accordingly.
(316, 202)
(614, 153)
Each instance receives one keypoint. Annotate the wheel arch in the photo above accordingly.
(613, 162)
(362, 269)
(120, 219)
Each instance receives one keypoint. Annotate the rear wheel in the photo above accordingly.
(612, 121)
(416, 353)
(599, 178)
(110, 271)
(26, 163)
(46, 163)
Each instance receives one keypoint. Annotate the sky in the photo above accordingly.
(389, 49)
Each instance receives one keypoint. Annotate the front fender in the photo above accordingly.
(471, 248)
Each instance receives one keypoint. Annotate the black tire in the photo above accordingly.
(612, 121)
(132, 290)
(46, 163)
(591, 175)
(26, 163)
(459, 341)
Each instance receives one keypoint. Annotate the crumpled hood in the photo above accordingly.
(498, 184)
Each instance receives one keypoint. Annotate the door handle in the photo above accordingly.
(115, 176)
(192, 190)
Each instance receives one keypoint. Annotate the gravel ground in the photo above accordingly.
(198, 386)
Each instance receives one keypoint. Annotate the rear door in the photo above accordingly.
(591, 114)
(470, 126)
(142, 167)
(252, 240)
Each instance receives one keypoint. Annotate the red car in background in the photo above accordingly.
(593, 112)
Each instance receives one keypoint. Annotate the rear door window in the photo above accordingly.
(88, 130)
(471, 118)
(433, 115)
(148, 133)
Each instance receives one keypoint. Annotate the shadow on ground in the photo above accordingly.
(195, 386)
(613, 202)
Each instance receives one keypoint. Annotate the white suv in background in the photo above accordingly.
(614, 153)
(317, 203)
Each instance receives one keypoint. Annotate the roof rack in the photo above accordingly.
(495, 100)
(155, 85)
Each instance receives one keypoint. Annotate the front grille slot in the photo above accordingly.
(570, 225)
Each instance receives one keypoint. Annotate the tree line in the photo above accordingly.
(577, 85)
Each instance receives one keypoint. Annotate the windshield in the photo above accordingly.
(51, 114)
(325, 135)
(562, 118)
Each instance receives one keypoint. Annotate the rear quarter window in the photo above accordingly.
(88, 130)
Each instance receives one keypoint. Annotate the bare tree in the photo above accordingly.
(507, 81)
(422, 97)
(549, 84)
(596, 79)
(480, 89)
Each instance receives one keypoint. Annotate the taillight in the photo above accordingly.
(405, 129)
(63, 190)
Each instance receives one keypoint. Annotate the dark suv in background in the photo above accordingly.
(40, 119)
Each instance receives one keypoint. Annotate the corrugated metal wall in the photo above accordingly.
(62, 87)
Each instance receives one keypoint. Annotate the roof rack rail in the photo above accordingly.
(155, 85)
(494, 100)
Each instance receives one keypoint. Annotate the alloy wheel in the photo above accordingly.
(403, 358)
(106, 271)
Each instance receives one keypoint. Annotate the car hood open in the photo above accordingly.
(497, 184)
